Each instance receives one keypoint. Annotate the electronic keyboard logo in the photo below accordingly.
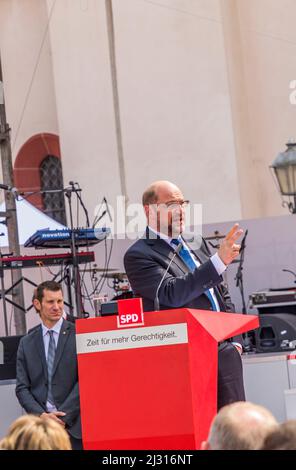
(130, 313)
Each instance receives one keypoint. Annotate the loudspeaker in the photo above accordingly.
(277, 332)
(8, 352)
(267, 309)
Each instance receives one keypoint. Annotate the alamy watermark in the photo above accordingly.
(129, 221)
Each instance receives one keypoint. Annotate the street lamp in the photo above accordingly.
(284, 167)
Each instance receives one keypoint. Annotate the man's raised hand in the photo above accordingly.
(229, 250)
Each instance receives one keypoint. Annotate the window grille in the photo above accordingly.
(51, 177)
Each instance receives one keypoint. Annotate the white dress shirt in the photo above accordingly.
(56, 329)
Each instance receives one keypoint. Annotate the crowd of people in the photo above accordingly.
(239, 426)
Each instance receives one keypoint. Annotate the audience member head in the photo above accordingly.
(240, 426)
(30, 432)
(283, 437)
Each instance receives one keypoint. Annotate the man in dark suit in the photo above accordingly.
(194, 278)
(47, 376)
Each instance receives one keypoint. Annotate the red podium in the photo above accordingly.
(152, 386)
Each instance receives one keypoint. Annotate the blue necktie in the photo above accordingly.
(50, 362)
(188, 260)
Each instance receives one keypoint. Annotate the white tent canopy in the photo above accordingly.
(29, 219)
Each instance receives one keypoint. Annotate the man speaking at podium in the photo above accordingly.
(169, 272)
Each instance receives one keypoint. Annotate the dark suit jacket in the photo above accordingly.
(31, 376)
(145, 263)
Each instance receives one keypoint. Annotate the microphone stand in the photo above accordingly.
(107, 208)
(106, 211)
(156, 299)
(77, 191)
(248, 347)
(2, 291)
(2, 286)
(99, 218)
(76, 275)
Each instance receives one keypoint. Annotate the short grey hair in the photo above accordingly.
(240, 426)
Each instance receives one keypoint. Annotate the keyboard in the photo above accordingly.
(62, 238)
(17, 262)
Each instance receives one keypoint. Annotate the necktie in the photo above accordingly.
(50, 362)
(188, 260)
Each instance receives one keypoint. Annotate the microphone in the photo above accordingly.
(6, 187)
(74, 186)
(98, 219)
(156, 300)
(289, 271)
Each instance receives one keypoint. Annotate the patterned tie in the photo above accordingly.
(50, 362)
(186, 257)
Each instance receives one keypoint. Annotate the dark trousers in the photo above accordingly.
(230, 375)
(76, 443)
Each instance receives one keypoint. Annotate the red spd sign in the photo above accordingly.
(130, 313)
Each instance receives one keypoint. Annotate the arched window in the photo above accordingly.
(51, 178)
(38, 166)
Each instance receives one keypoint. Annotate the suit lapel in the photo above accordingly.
(63, 338)
(220, 299)
(165, 250)
(40, 348)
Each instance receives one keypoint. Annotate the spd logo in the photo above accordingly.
(130, 313)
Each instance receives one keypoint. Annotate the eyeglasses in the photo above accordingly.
(171, 205)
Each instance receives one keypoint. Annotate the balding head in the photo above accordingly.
(160, 191)
(240, 426)
(163, 203)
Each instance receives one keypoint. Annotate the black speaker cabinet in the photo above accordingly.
(277, 332)
(8, 351)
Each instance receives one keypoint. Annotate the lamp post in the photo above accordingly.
(284, 167)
